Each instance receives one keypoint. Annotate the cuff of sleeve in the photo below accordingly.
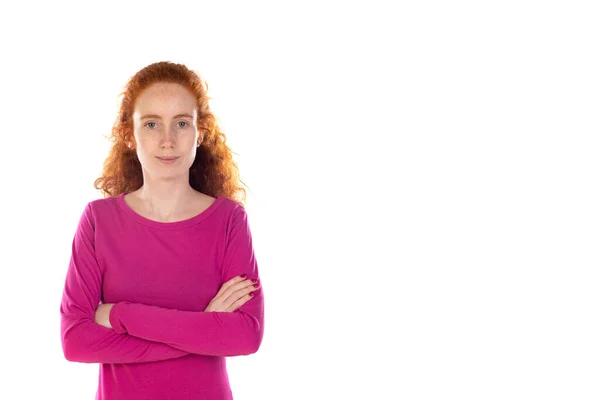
(114, 318)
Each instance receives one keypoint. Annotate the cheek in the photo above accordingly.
(146, 144)
(143, 153)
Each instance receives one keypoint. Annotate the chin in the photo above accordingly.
(169, 175)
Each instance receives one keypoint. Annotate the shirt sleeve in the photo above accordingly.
(206, 333)
(83, 340)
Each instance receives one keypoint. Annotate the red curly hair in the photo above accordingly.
(213, 171)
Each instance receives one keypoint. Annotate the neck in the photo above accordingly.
(165, 200)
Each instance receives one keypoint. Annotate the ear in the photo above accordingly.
(131, 143)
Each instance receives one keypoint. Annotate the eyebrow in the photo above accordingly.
(158, 117)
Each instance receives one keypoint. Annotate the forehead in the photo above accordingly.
(165, 98)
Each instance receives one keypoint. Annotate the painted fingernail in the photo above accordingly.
(251, 294)
(254, 280)
(257, 285)
(243, 276)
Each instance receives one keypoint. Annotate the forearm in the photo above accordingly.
(207, 333)
(87, 342)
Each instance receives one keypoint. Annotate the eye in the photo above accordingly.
(149, 124)
(182, 122)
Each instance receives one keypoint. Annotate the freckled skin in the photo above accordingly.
(165, 136)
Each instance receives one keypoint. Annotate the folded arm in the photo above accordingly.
(207, 333)
(83, 340)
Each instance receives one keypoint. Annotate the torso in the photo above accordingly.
(197, 206)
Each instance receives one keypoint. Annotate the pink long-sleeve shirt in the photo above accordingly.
(160, 276)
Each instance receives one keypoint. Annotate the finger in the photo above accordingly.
(233, 293)
(242, 285)
(231, 282)
(236, 287)
(240, 302)
(241, 293)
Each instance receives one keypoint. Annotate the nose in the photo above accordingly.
(167, 139)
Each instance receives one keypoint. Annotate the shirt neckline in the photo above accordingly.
(168, 225)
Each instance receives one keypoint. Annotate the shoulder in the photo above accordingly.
(99, 204)
(221, 205)
(231, 207)
(99, 208)
(236, 217)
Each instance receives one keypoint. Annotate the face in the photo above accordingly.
(164, 126)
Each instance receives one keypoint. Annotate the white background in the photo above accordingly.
(424, 186)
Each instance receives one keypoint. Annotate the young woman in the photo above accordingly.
(167, 253)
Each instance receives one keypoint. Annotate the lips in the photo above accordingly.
(167, 158)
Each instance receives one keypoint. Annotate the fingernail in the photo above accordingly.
(251, 294)
(257, 285)
(243, 276)
(254, 280)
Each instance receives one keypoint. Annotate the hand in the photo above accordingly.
(101, 317)
(232, 295)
